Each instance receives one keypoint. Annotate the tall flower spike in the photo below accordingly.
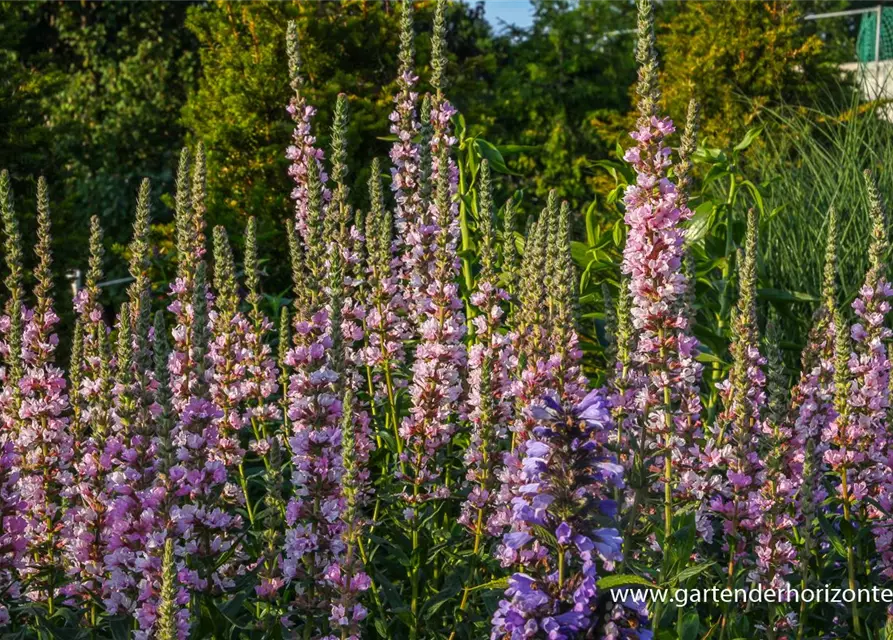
(338, 219)
(812, 397)
(346, 575)
(744, 399)
(647, 89)
(183, 215)
(668, 400)
(139, 292)
(43, 273)
(199, 205)
(12, 324)
(386, 325)
(562, 534)
(510, 259)
(303, 153)
(566, 353)
(12, 540)
(293, 50)
(687, 147)
(439, 50)
(85, 528)
(405, 151)
(44, 443)
(776, 555)
(489, 358)
(623, 380)
(261, 366)
(227, 301)
(869, 390)
(486, 250)
(94, 272)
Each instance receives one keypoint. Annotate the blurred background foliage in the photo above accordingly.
(97, 95)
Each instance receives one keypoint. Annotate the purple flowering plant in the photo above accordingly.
(417, 440)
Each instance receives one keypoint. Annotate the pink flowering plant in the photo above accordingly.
(417, 441)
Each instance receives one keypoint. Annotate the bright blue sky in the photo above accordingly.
(517, 12)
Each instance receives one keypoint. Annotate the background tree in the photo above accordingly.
(747, 56)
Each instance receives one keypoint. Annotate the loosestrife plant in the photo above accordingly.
(406, 446)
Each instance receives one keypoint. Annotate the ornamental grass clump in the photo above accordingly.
(403, 444)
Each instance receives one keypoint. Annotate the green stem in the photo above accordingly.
(850, 552)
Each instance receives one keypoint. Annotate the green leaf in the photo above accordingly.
(619, 234)
(451, 589)
(749, 137)
(625, 580)
(493, 156)
(833, 536)
(500, 583)
(779, 295)
(580, 254)
(700, 222)
(691, 572)
(690, 626)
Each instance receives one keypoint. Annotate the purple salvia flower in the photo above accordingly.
(568, 477)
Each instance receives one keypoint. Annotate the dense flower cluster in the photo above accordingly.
(569, 479)
(436, 310)
(489, 369)
(667, 398)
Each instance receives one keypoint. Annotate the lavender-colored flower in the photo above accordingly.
(489, 363)
(43, 441)
(303, 152)
(858, 438)
(775, 552)
(386, 327)
(568, 477)
(405, 152)
(85, 523)
(668, 403)
(740, 424)
(436, 311)
(313, 539)
(12, 524)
